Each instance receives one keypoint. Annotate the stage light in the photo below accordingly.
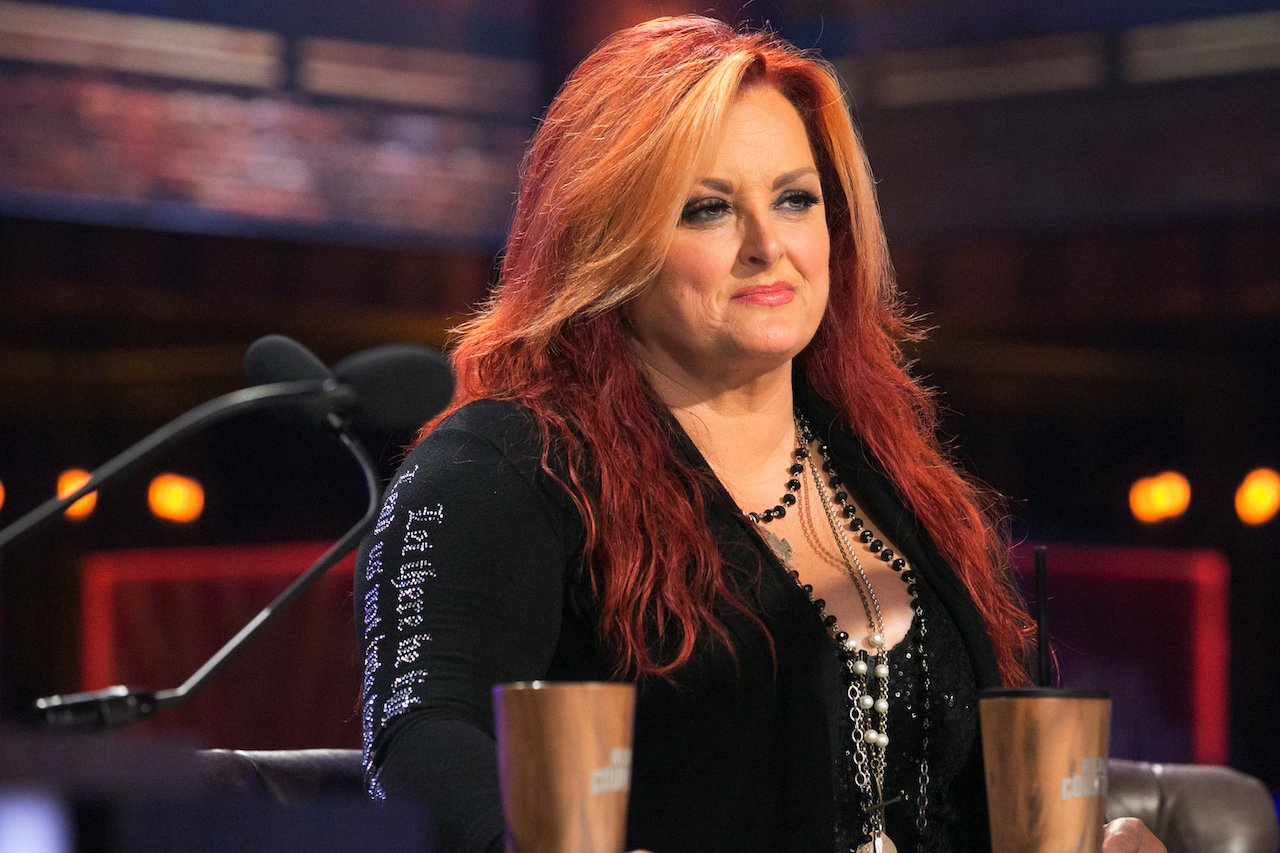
(1258, 497)
(1141, 503)
(68, 482)
(1166, 495)
(176, 498)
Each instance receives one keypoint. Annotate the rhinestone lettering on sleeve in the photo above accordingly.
(404, 694)
(407, 649)
(371, 617)
(374, 564)
(386, 514)
(417, 534)
(372, 663)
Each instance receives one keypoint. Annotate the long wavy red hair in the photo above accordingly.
(602, 187)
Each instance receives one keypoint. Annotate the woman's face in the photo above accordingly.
(744, 284)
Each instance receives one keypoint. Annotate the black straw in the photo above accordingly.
(1043, 676)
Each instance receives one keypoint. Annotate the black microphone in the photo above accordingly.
(398, 386)
(276, 358)
(401, 386)
(273, 358)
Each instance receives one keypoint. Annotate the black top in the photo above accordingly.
(472, 577)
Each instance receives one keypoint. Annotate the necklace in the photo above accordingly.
(789, 496)
(866, 670)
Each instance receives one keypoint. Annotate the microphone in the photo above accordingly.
(401, 386)
(275, 357)
(398, 386)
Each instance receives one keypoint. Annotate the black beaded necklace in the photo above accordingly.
(864, 699)
(793, 485)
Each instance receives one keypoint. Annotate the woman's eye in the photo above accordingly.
(799, 200)
(704, 210)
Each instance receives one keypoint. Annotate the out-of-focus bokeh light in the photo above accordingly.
(1160, 497)
(176, 498)
(1258, 497)
(1, 495)
(68, 482)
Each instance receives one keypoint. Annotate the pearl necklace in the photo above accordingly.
(867, 671)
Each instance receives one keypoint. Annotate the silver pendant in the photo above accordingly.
(780, 547)
(880, 844)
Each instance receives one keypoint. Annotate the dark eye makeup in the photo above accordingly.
(799, 200)
(703, 210)
(711, 208)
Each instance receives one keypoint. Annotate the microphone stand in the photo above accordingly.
(120, 705)
(272, 394)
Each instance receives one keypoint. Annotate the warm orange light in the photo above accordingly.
(1, 495)
(1165, 495)
(176, 498)
(1142, 503)
(68, 482)
(1258, 497)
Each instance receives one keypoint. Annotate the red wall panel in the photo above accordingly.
(1150, 626)
(150, 618)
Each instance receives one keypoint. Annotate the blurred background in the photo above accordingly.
(1083, 198)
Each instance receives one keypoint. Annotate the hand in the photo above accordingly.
(1129, 835)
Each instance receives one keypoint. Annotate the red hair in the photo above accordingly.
(602, 186)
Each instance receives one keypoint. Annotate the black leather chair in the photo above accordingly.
(285, 776)
(1191, 808)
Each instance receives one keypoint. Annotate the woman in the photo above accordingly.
(686, 451)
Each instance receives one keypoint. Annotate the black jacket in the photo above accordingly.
(472, 578)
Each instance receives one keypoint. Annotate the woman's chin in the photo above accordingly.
(763, 360)
(774, 347)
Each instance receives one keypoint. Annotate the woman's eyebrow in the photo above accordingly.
(722, 186)
(788, 177)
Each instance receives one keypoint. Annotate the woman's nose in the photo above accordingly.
(761, 243)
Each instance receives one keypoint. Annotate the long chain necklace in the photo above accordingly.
(867, 670)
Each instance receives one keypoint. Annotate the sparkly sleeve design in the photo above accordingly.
(458, 587)
(406, 588)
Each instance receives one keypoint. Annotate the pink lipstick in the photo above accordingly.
(774, 293)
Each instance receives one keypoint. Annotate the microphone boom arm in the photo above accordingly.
(120, 705)
(272, 394)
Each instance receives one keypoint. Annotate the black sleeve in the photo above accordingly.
(459, 587)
